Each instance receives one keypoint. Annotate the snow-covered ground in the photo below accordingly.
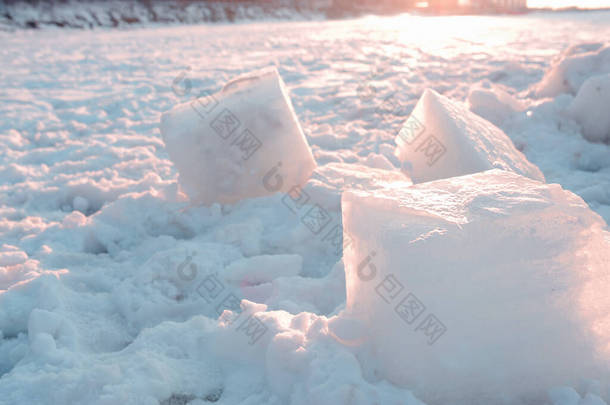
(111, 292)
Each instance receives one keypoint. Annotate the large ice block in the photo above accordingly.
(485, 288)
(244, 141)
(442, 139)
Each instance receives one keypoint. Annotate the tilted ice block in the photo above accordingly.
(485, 288)
(244, 141)
(442, 139)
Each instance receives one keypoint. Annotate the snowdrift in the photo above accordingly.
(571, 69)
(582, 71)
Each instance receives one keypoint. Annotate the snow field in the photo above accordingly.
(122, 276)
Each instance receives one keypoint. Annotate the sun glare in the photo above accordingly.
(568, 3)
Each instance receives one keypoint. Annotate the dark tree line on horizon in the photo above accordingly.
(113, 13)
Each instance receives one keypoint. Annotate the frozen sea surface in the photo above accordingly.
(95, 236)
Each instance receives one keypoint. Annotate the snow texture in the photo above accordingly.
(493, 103)
(590, 108)
(573, 67)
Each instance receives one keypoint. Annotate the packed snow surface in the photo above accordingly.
(113, 281)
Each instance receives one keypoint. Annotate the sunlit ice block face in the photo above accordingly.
(242, 142)
(442, 139)
(486, 288)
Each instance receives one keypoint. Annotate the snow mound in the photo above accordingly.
(590, 108)
(242, 142)
(493, 103)
(486, 288)
(573, 67)
(442, 139)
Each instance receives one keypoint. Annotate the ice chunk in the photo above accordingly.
(590, 108)
(444, 139)
(483, 288)
(244, 141)
(573, 67)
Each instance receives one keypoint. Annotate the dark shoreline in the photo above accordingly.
(33, 14)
